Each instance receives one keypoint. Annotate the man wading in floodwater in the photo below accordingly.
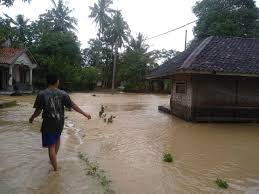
(52, 102)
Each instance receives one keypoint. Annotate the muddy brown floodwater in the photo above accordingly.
(130, 150)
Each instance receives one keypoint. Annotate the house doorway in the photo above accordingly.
(3, 78)
(24, 75)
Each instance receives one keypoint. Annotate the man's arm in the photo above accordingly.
(36, 113)
(79, 110)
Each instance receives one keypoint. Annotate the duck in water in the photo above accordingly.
(101, 111)
(110, 119)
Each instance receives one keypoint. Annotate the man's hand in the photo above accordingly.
(79, 110)
(31, 119)
(87, 116)
(36, 113)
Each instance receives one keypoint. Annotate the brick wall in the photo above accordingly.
(181, 103)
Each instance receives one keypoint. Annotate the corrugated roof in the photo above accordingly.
(215, 55)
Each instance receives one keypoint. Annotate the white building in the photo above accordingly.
(16, 69)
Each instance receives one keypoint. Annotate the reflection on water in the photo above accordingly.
(130, 150)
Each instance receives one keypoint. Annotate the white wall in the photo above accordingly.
(24, 59)
(16, 73)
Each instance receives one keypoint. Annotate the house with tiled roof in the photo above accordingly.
(216, 79)
(16, 69)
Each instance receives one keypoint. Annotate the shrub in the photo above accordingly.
(168, 157)
(222, 183)
(87, 79)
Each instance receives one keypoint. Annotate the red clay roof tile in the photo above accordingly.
(9, 55)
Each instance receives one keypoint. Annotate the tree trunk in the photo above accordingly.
(114, 67)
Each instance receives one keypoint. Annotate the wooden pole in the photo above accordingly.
(185, 43)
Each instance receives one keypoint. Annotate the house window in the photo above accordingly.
(180, 88)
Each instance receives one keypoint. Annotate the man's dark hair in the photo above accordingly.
(51, 78)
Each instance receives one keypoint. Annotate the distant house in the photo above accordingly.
(216, 79)
(16, 69)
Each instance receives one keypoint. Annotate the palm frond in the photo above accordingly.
(54, 3)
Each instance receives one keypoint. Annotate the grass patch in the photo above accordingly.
(222, 183)
(94, 171)
(168, 157)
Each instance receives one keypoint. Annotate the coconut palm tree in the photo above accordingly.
(138, 44)
(100, 13)
(119, 34)
(59, 17)
(9, 3)
(20, 25)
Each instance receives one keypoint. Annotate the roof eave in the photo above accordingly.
(32, 57)
(161, 76)
(4, 64)
(20, 54)
(216, 73)
(182, 71)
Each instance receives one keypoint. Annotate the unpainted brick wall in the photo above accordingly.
(181, 103)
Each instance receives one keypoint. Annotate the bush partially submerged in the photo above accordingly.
(222, 183)
(168, 157)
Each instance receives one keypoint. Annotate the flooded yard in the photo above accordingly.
(129, 150)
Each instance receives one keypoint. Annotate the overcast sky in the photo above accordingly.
(150, 17)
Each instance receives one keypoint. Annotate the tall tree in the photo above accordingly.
(99, 55)
(59, 17)
(93, 55)
(136, 62)
(6, 31)
(21, 27)
(119, 34)
(163, 55)
(58, 52)
(9, 3)
(225, 18)
(100, 12)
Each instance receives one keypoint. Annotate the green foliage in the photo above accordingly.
(16, 30)
(5, 29)
(113, 32)
(9, 3)
(58, 52)
(20, 30)
(164, 55)
(94, 55)
(135, 64)
(54, 45)
(119, 33)
(168, 158)
(94, 171)
(100, 56)
(225, 18)
(88, 78)
(118, 30)
(100, 12)
(167, 85)
(222, 183)
(59, 19)
(130, 66)
(52, 42)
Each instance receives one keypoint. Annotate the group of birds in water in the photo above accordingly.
(103, 115)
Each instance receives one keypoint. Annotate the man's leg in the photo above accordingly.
(53, 157)
(57, 145)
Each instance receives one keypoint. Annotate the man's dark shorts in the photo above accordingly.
(50, 138)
